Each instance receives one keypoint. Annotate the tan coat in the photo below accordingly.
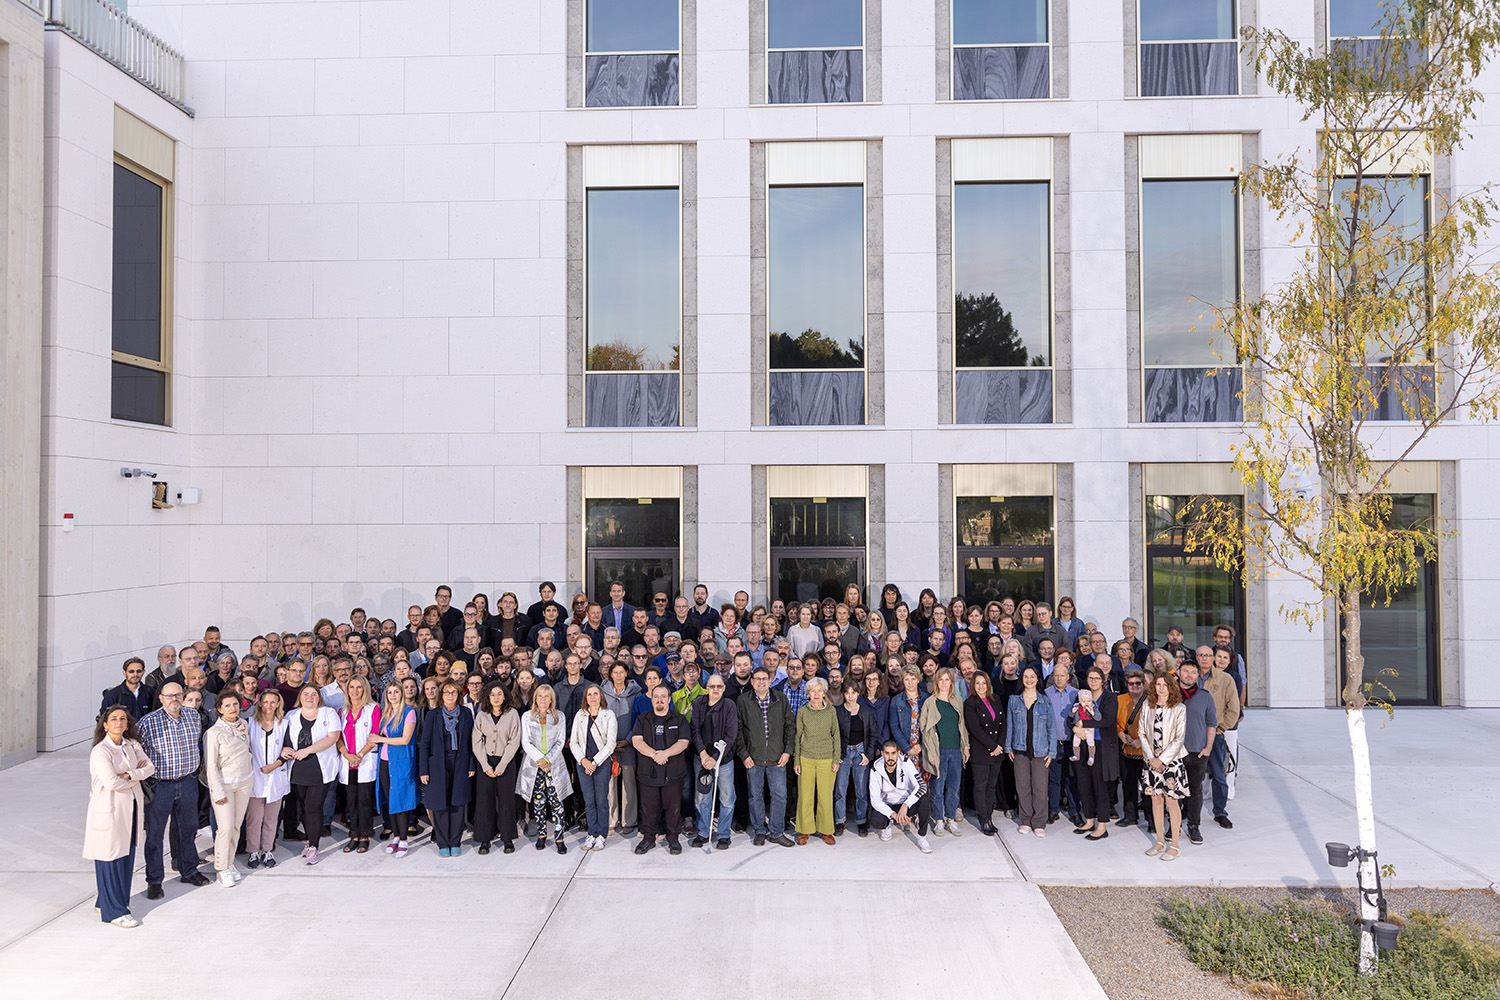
(226, 757)
(928, 721)
(115, 776)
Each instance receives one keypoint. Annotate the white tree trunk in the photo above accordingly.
(1364, 807)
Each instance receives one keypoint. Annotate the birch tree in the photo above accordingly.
(1390, 312)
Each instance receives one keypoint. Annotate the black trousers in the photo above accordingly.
(307, 804)
(741, 796)
(1093, 790)
(921, 812)
(653, 801)
(1008, 798)
(361, 803)
(1130, 785)
(1192, 806)
(448, 826)
(395, 824)
(495, 803)
(985, 773)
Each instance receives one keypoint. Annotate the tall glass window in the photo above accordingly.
(817, 546)
(1005, 548)
(1393, 212)
(1399, 628)
(633, 272)
(816, 277)
(1002, 275)
(1000, 50)
(634, 541)
(1186, 589)
(1188, 48)
(632, 53)
(815, 51)
(140, 303)
(1189, 264)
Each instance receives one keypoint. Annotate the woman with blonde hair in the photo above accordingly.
(544, 773)
(227, 768)
(358, 768)
(117, 811)
(945, 749)
(396, 770)
(1163, 726)
(270, 779)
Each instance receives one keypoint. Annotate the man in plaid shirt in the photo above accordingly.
(170, 736)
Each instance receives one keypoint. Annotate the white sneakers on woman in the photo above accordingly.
(230, 877)
(125, 920)
(952, 826)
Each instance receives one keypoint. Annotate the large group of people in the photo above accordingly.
(788, 722)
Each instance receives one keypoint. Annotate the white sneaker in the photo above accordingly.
(923, 845)
(226, 879)
(937, 829)
(238, 875)
(958, 815)
(885, 834)
(952, 826)
(598, 843)
(125, 920)
(1025, 829)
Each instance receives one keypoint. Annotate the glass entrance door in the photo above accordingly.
(806, 574)
(1004, 549)
(634, 541)
(642, 571)
(1400, 639)
(817, 547)
(1184, 589)
(992, 574)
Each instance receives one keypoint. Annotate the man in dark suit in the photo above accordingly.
(134, 695)
(618, 613)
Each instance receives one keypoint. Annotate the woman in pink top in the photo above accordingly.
(358, 767)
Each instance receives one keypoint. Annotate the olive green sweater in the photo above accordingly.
(817, 734)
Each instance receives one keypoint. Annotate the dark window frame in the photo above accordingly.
(134, 364)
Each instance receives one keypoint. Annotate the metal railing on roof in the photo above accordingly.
(124, 41)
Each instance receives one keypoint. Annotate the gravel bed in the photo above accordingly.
(1115, 929)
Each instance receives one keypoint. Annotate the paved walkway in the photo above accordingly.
(540, 916)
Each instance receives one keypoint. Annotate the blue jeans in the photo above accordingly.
(726, 803)
(1218, 759)
(945, 785)
(757, 779)
(595, 789)
(176, 799)
(1060, 779)
(850, 765)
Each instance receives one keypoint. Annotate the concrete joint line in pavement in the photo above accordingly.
(1383, 822)
(582, 857)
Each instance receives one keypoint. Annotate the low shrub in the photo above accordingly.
(1310, 950)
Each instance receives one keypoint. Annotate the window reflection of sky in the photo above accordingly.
(1186, 20)
(1396, 209)
(1189, 258)
(1355, 18)
(999, 22)
(816, 262)
(1001, 245)
(815, 24)
(634, 271)
(632, 25)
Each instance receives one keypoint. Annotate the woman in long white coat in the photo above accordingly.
(117, 811)
(544, 780)
(270, 779)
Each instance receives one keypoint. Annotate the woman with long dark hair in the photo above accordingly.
(117, 811)
(984, 715)
(497, 742)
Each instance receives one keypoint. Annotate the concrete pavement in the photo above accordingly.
(613, 917)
